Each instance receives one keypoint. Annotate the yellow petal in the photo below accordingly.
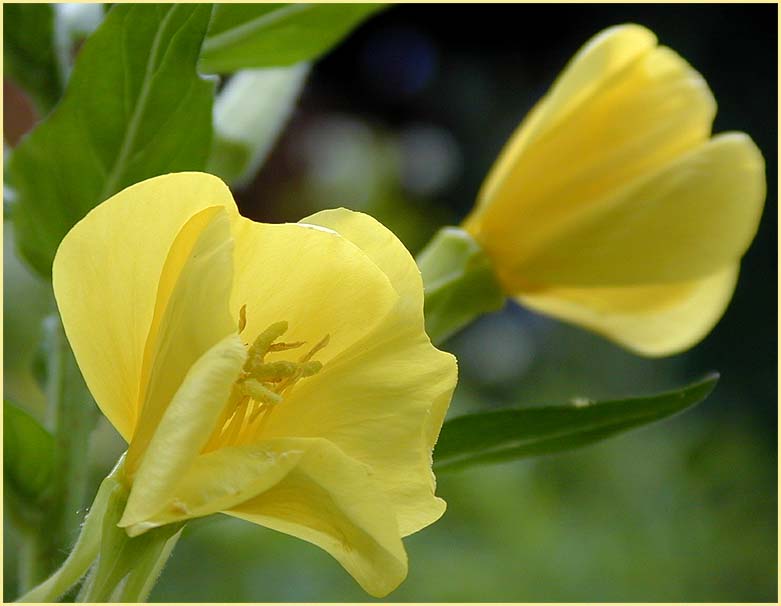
(335, 502)
(650, 320)
(106, 275)
(696, 215)
(304, 487)
(382, 247)
(219, 480)
(182, 432)
(316, 280)
(390, 255)
(590, 70)
(191, 316)
(383, 400)
(622, 110)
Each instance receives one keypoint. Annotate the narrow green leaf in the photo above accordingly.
(28, 454)
(134, 108)
(504, 435)
(244, 36)
(29, 55)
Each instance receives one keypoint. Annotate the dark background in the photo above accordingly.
(685, 510)
(403, 120)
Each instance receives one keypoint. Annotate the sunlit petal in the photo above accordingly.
(317, 281)
(696, 215)
(106, 274)
(382, 401)
(629, 123)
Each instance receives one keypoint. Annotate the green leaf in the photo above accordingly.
(28, 454)
(244, 36)
(504, 435)
(134, 108)
(29, 55)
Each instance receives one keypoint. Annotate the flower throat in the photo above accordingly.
(261, 384)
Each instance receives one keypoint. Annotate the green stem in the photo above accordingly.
(71, 416)
(459, 283)
(33, 560)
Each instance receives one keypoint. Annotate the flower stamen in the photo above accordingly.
(261, 384)
(242, 318)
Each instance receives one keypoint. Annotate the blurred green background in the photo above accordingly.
(403, 120)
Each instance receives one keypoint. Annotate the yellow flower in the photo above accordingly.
(613, 208)
(277, 373)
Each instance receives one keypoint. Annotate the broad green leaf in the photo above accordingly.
(29, 55)
(243, 36)
(134, 108)
(249, 114)
(28, 454)
(504, 435)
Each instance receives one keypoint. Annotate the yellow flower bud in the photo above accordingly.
(614, 208)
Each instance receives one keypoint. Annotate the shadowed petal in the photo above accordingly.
(191, 316)
(650, 320)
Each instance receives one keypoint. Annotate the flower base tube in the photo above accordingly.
(84, 551)
(125, 569)
(459, 283)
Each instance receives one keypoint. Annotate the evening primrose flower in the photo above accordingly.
(612, 206)
(280, 374)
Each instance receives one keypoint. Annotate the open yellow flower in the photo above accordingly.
(613, 208)
(277, 373)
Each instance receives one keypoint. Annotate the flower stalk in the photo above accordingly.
(71, 417)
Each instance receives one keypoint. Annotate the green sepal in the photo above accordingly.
(134, 560)
(459, 283)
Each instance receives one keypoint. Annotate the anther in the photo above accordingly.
(273, 372)
(257, 391)
(242, 318)
(260, 346)
(285, 346)
(323, 342)
(307, 369)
